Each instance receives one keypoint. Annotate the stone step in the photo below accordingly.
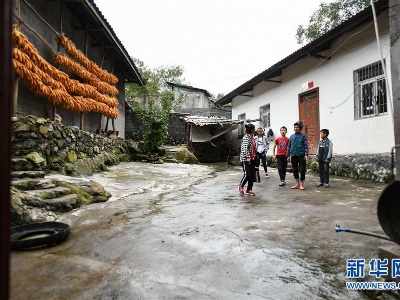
(23, 164)
(59, 204)
(28, 174)
(63, 203)
(50, 193)
(34, 183)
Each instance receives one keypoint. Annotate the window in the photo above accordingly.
(370, 91)
(265, 116)
(241, 125)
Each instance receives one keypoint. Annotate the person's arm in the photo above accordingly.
(273, 149)
(244, 149)
(305, 147)
(288, 150)
(266, 143)
(330, 152)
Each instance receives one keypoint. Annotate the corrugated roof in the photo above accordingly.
(213, 120)
(311, 49)
(90, 15)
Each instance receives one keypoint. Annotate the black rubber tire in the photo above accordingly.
(389, 211)
(56, 233)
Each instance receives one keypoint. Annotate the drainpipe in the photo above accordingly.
(6, 91)
(393, 160)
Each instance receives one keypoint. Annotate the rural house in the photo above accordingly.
(80, 64)
(336, 82)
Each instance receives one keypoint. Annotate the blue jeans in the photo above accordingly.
(323, 172)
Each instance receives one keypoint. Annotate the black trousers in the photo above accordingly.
(299, 166)
(263, 158)
(248, 174)
(281, 162)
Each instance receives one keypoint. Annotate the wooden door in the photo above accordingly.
(309, 115)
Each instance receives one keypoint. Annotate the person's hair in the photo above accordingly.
(284, 127)
(325, 131)
(249, 127)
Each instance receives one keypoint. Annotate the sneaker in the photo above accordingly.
(326, 185)
(319, 184)
(281, 183)
(241, 191)
(266, 175)
(250, 193)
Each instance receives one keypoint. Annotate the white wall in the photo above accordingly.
(334, 78)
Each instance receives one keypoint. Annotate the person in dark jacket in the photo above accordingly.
(324, 157)
(247, 160)
(298, 155)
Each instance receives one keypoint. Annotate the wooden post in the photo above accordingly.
(106, 127)
(16, 81)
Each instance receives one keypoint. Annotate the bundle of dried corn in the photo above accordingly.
(92, 67)
(46, 81)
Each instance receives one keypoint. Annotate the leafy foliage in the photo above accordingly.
(327, 17)
(155, 116)
(155, 79)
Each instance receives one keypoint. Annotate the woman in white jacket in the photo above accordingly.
(262, 148)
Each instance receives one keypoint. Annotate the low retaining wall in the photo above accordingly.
(375, 167)
(40, 145)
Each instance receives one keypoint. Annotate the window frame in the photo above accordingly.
(370, 99)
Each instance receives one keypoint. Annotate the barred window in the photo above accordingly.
(241, 126)
(370, 98)
(265, 116)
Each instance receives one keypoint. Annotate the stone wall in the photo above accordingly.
(376, 167)
(177, 128)
(39, 144)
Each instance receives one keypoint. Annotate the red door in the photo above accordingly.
(309, 115)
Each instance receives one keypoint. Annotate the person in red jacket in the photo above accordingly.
(281, 145)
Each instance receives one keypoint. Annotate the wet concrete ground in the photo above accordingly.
(176, 231)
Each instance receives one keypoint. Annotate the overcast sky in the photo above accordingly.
(220, 43)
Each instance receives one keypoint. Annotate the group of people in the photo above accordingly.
(293, 149)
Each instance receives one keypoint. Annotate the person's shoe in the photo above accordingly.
(241, 191)
(302, 188)
(281, 183)
(250, 193)
(266, 175)
(284, 183)
(319, 184)
(326, 185)
(295, 186)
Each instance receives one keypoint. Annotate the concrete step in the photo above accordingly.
(34, 183)
(28, 174)
(50, 193)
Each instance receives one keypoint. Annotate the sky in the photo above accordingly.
(219, 43)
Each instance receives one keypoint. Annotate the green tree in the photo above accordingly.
(155, 116)
(155, 79)
(327, 17)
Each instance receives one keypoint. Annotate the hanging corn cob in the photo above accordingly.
(73, 52)
(101, 86)
(46, 81)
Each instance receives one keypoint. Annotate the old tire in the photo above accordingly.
(38, 235)
(389, 211)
